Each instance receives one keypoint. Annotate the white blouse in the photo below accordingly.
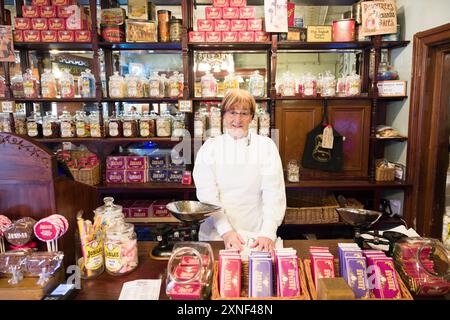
(244, 177)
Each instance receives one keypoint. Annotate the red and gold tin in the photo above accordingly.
(31, 36)
(246, 36)
(49, 36)
(255, 25)
(18, 35)
(213, 36)
(22, 24)
(238, 25)
(262, 36)
(56, 24)
(238, 3)
(221, 3)
(196, 36)
(213, 13)
(205, 25)
(66, 36)
(222, 25)
(40, 2)
(30, 11)
(230, 36)
(344, 30)
(113, 33)
(39, 24)
(230, 13)
(47, 11)
(247, 13)
(83, 36)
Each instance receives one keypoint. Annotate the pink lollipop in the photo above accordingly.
(47, 231)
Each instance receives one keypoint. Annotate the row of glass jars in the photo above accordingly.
(325, 85)
(157, 86)
(209, 87)
(210, 124)
(28, 86)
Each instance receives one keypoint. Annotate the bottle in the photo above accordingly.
(34, 125)
(50, 126)
(164, 125)
(116, 86)
(48, 84)
(82, 124)
(89, 257)
(256, 85)
(66, 84)
(86, 87)
(94, 123)
(208, 85)
(121, 251)
(68, 127)
(30, 85)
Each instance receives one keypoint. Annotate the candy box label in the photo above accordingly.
(157, 161)
(238, 25)
(82, 36)
(158, 175)
(230, 278)
(247, 13)
(30, 11)
(254, 25)
(261, 36)
(136, 176)
(238, 3)
(18, 35)
(289, 282)
(213, 13)
(175, 176)
(115, 176)
(196, 36)
(230, 36)
(246, 36)
(115, 163)
(222, 25)
(39, 24)
(221, 3)
(138, 162)
(213, 36)
(158, 208)
(22, 24)
(185, 291)
(49, 36)
(56, 24)
(48, 11)
(66, 36)
(356, 276)
(31, 36)
(230, 13)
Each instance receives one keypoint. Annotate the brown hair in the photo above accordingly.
(238, 97)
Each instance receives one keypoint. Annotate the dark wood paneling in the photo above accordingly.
(295, 119)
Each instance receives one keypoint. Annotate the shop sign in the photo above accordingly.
(378, 17)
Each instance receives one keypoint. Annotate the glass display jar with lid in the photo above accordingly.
(68, 127)
(135, 88)
(94, 123)
(116, 86)
(130, 125)
(17, 86)
(66, 85)
(5, 123)
(164, 125)
(34, 125)
(109, 214)
(174, 85)
(50, 125)
(208, 85)
(264, 123)
(147, 124)
(256, 84)
(114, 126)
(48, 84)
(121, 251)
(82, 124)
(30, 85)
(231, 82)
(155, 85)
(178, 125)
(20, 123)
(2, 87)
(86, 84)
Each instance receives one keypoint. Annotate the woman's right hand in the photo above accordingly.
(233, 240)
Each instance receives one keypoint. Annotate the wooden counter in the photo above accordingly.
(107, 287)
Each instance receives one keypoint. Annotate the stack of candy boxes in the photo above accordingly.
(369, 273)
(262, 269)
(53, 21)
(229, 21)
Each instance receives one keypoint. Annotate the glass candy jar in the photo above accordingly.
(309, 85)
(164, 125)
(256, 85)
(156, 86)
(20, 123)
(353, 85)
(30, 85)
(50, 126)
(86, 84)
(121, 251)
(82, 124)
(328, 85)
(114, 126)
(68, 126)
(48, 84)
(214, 123)
(130, 125)
(34, 125)
(109, 214)
(116, 86)
(66, 85)
(5, 123)
(178, 125)
(288, 85)
(199, 125)
(94, 123)
(17, 86)
(135, 88)
(2, 87)
(147, 124)
(208, 85)
(293, 171)
(174, 86)
(264, 123)
(231, 82)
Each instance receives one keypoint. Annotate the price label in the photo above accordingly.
(8, 106)
(327, 137)
(67, 145)
(185, 105)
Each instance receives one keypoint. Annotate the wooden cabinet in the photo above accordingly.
(295, 118)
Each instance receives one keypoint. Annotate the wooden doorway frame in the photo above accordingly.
(427, 107)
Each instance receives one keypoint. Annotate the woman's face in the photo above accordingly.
(237, 120)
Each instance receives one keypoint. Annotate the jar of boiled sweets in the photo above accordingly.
(2, 87)
(50, 126)
(48, 84)
(114, 126)
(116, 86)
(178, 125)
(208, 85)
(293, 171)
(5, 123)
(17, 86)
(94, 123)
(34, 125)
(66, 85)
(147, 124)
(256, 84)
(164, 125)
(82, 124)
(68, 127)
(199, 125)
(130, 125)
(20, 123)
(121, 251)
(30, 85)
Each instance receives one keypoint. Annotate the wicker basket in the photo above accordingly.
(311, 208)
(406, 295)
(90, 176)
(384, 171)
(244, 285)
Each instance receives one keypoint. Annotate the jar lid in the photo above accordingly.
(109, 207)
(174, 21)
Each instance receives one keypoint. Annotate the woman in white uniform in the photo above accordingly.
(242, 173)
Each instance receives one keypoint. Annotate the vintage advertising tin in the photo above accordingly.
(113, 33)
(113, 16)
(49, 36)
(344, 30)
(141, 31)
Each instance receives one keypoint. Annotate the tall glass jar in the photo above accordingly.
(199, 125)
(155, 85)
(208, 85)
(164, 91)
(215, 123)
(353, 85)
(34, 125)
(293, 171)
(20, 123)
(256, 85)
(264, 123)
(17, 86)
(231, 82)
(121, 251)
(109, 214)
(50, 126)
(66, 85)
(134, 85)
(94, 123)
(309, 85)
(164, 125)
(5, 123)
(82, 124)
(174, 87)
(2, 87)
(328, 85)
(48, 84)
(175, 30)
(86, 84)
(30, 85)
(178, 125)
(68, 127)
(116, 86)
(89, 257)
(147, 124)
(130, 125)
(288, 84)
(114, 126)
(253, 126)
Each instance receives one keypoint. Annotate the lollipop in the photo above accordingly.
(4, 223)
(50, 229)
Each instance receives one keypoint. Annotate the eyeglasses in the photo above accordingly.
(243, 114)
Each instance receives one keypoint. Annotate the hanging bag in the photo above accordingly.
(317, 157)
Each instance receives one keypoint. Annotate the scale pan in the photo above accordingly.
(191, 211)
(359, 217)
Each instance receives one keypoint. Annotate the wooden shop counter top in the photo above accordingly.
(108, 287)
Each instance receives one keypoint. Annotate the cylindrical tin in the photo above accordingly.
(163, 31)
(113, 33)
(344, 30)
(164, 15)
(175, 26)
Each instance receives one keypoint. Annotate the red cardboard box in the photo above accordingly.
(221, 3)
(136, 162)
(83, 36)
(205, 25)
(246, 36)
(247, 13)
(140, 209)
(49, 36)
(115, 176)
(30, 11)
(31, 36)
(230, 13)
(116, 163)
(64, 11)
(255, 25)
(238, 25)
(196, 36)
(63, 2)
(158, 208)
(136, 176)
(40, 2)
(66, 36)
(213, 36)
(56, 24)
(22, 24)
(291, 13)
(262, 36)
(18, 35)
(238, 3)
(213, 13)
(47, 11)
(230, 36)
(222, 25)
(39, 24)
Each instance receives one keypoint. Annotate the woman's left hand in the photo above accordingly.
(263, 244)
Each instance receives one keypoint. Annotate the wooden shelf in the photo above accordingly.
(153, 220)
(393, 44)
(218, 99)
(107, 140)
(69, 46)
(230, 46)
(391, 139)
(392, 98)
(301, 45)
(150, 186)
(155, 46)
(36, 100)
(346, 184)
(298, 97)
(142, 100)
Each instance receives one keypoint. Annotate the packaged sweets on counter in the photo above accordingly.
(190, 271)
(43, 265)
(50, 126)
(121, 251)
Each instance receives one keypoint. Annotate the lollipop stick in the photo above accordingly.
(56, 245)
(48, 246)
(2, 245)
